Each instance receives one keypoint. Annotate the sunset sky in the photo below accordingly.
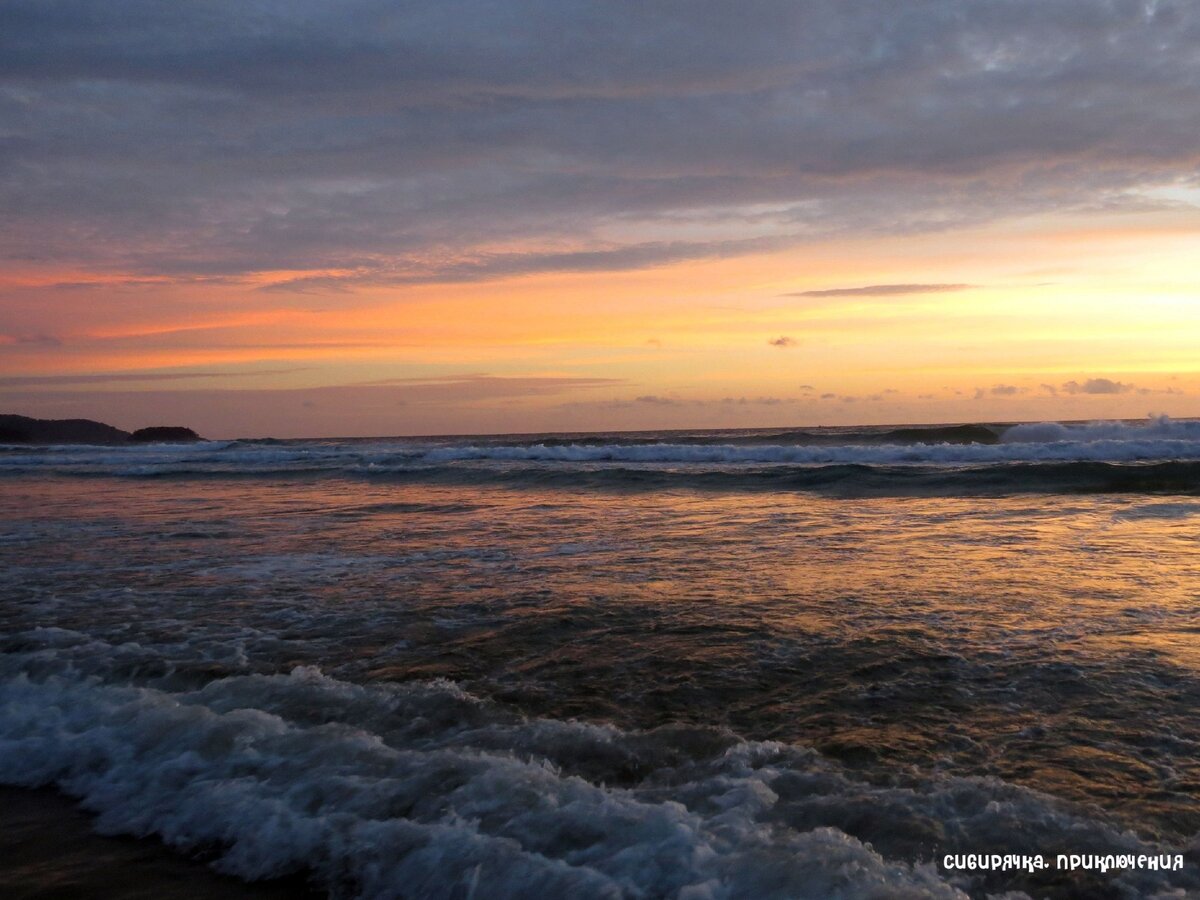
(370, 218)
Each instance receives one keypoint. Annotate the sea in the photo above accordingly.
(882, 662)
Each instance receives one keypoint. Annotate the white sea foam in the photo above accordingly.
(1113, 442)
(1108, 450)
(1159, 428)
(424, 790)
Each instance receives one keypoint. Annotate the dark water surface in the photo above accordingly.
(422, 686)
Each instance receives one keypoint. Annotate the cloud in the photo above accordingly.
(35, 340)
(784, 341)
(402, 142)
(115, 377)
(1005, 390)
(658, 400)
(480, 267)
(849, 398)
(882, 290)
(655, 400)
(1097, 386)
(758, 401)
(475, 386)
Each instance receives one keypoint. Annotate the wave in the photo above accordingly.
(1160, 455)
(422, 789)
(834, 480)
(1157, 428)
(1179, 478)
(887, 454)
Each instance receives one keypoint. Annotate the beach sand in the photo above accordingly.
(48, 851)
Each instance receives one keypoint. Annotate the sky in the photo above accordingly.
(300, 218)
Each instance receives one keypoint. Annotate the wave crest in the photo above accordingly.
(424, 789)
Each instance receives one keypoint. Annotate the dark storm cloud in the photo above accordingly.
(396, 141)
(882, 290)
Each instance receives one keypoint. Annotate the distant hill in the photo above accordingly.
(163, 433)
(24, 430)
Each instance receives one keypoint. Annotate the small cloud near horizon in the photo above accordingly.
(784, 341)
(656, 400)
(1097, 386)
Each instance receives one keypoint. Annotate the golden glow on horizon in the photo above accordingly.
(1044, 302)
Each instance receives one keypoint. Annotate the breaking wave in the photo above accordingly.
(423, 789)
(1159, 455)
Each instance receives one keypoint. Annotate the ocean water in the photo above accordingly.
(805, 663)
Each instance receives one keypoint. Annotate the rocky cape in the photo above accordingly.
(24, 430)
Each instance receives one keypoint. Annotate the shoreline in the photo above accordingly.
(49, 851)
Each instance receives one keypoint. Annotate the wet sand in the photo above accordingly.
(48, 851)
